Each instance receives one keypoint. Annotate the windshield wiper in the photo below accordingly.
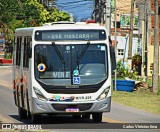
(58, 53)
(81, 54)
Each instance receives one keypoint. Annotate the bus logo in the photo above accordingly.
(76, 80)
(6, 126)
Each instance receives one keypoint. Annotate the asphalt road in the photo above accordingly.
(119, 113)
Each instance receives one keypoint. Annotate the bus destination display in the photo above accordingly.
(61, 35)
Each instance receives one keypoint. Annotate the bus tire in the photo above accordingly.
(97, 117)
(29, 115)
(35, 119)
(22, 113)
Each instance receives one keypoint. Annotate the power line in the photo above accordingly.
(70, 6)
(83, 7)
(74, 2)
(80, 8)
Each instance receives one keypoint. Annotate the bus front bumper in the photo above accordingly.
(51, 107)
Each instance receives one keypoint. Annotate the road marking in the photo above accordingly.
(105, 119)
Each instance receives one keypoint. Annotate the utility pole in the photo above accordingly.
(131, 30)
(115, 40)
(148, 43)
(108, 17)
(100, 11)
(144, 38)
(96, 11)
(156, 48)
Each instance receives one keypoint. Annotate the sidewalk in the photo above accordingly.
(6, 76)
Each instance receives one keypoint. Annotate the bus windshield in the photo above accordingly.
(79, 64)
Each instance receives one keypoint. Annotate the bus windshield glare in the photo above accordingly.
(80, 64)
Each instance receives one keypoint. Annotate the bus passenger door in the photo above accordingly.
(17, 69)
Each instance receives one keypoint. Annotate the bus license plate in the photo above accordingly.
(72, 110)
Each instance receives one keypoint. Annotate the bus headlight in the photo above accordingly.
(39, 94)
(103, 94)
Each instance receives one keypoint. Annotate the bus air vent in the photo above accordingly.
(63, 107)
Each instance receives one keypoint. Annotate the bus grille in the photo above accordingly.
(63, 107)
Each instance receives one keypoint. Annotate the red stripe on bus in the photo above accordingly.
(21, 79)
(14, 84)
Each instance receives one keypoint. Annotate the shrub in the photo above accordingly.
(123, 72)
(136, 63)
(8, 56)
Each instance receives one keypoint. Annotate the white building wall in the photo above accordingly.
(150, 60)
(123, 43)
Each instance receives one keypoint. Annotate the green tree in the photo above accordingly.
(8, 9)
(25, 13)
(33, 14)
(57, 15)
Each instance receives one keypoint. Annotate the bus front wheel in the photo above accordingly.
(97, 117)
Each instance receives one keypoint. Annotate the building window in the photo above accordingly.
(120, 51)
(117, 24)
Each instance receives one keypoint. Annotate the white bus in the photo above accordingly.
(62, 68)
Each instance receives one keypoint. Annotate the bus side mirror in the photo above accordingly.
(113, 58)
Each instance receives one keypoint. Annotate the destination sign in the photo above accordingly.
(62, 35)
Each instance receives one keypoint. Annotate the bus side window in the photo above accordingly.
(26, 55)
(18, 50)
(14, 51)
(29, 50)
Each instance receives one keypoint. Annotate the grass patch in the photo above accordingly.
(143, 100)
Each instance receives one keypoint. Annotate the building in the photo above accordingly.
(143, 34)
(123, 14)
